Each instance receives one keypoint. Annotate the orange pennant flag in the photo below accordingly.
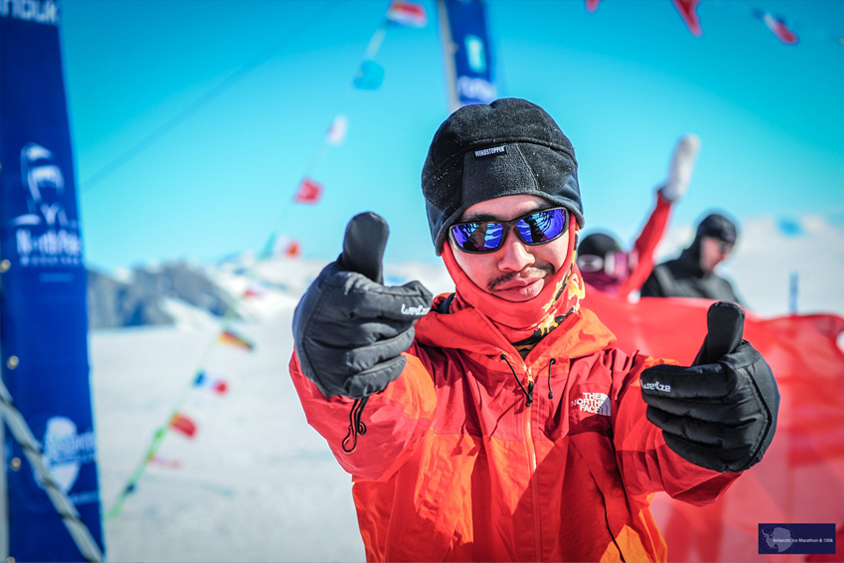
(232, 339)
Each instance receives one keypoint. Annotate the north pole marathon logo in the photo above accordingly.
(47, 235)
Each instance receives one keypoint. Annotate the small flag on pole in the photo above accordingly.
(337, 132)
(411, 14)
(219, 386)
(232, 339)
(309, 192)
(254, 290)
(688, 11)
(286, 246)
(183, 424)
(170, 463)
(778, 27)
(370, 76)
(293, 249)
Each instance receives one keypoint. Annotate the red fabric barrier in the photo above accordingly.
(801, 479)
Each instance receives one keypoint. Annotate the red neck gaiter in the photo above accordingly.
(523, 323)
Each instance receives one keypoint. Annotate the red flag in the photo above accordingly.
(309, 192)
(592, 5)
(688, 11)
(779, 28)
(183, 424)
(254, 289)
(293, 250)
(411, 14)
(801, 478)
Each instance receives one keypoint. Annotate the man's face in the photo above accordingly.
(713, 251)
(516, 271)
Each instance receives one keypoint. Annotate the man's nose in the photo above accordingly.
(515, 255)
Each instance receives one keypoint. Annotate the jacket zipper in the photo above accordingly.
(533, 479)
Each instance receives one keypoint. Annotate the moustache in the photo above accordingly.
(532, 272)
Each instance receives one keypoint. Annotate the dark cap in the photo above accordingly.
(482, 152)
(717, 226)
(598, 244)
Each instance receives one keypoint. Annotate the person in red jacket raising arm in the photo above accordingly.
(605, 266)
(500, 422)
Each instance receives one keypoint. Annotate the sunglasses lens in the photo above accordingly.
(542, 226)
(477, 237)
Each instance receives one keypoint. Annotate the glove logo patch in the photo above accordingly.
(594, 403)
(416, 311)
(658, 386)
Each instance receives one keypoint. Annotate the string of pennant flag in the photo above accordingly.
(776, 23)
(176, 420)
(368, 76)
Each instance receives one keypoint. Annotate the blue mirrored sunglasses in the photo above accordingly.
(537, 227)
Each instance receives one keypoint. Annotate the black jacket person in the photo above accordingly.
(693, 273)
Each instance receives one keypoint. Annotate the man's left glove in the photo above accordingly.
(720, 413)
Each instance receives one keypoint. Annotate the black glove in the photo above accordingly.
(721, 413)
(349, 329)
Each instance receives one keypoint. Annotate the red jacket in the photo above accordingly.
(454, 466)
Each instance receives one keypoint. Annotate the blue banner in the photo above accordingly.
(468, 53)
(43, 319)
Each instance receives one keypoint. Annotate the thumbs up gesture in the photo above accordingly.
(720, 413)
(349, 328)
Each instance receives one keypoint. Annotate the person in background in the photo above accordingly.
(605, 266)
(693, 273)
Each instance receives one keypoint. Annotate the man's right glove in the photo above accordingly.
(349, 329)
(721, 413)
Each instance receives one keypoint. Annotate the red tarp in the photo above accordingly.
(801, 479)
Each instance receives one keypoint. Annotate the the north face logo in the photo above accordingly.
(594, 403)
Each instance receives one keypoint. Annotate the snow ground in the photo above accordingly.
(257, 483)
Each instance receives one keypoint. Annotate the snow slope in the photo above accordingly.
(257, 483)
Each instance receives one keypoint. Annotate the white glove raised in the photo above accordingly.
(682, 166)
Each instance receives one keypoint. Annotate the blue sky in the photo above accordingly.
(262, 80)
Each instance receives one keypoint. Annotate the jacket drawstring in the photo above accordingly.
(529, 391)
(356, 425)
(550, 392)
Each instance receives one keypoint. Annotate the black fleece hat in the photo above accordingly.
(483, 152)
(717, 226)
(598, 244)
